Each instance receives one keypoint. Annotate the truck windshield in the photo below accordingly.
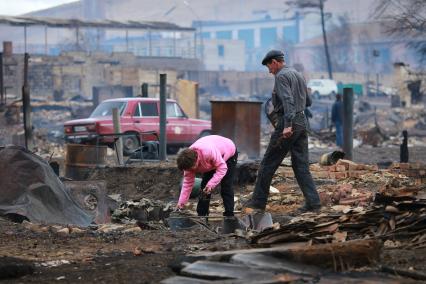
(105, 109)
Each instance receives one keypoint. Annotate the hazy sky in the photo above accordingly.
(17, 7)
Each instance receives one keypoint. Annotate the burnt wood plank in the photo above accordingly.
(271, 263)
(222, 271)
(185, 280)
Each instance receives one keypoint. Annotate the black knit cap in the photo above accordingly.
(273, 54)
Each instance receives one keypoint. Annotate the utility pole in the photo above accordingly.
(2, 100)
(348, 117)
(324, 35)
(307, 6)
(26, 105)
(163, 117)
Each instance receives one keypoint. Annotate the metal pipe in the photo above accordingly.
(127, 40)
(163, 117)
(377, 85)
(174, 44)
(25, 39)
(197, 101)
(45, 40)
(324, 35)
(195, 45)
(2, 100)
(77, 41)
(348, 108)
(117, 129)
(144, 90)
(149, 43)
(327, 118)
(98, 38)
(26, 104)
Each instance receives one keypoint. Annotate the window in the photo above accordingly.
(221, 50)
(291, 34)
(149, 109)
(224, 35)
(247, 36)
(173, 110)
(105, 109)
(137, 111)
(268, 37)
(205, 35)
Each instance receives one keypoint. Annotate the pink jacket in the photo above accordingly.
(213, 152)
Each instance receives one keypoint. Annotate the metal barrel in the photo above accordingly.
(331, 158)
(80, 160)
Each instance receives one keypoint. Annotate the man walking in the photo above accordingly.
(290, 134)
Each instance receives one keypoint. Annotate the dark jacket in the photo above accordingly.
(337, 112)
(289, 96)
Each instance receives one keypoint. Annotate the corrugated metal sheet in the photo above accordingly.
(71, 23)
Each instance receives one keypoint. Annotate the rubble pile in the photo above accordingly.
(142, 210)
(417, 171)
(388, 219)
(367, 213)
(341, 170)
(384, 127)
(48, 117)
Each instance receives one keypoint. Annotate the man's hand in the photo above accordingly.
(287, 132)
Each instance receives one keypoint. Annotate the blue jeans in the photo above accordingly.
(339, 134)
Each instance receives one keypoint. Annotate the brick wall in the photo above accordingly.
(348, 169)
(417, 171)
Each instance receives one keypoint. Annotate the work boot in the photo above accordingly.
(306, 208)
(249, 207)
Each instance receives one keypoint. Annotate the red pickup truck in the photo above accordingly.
(137, 115)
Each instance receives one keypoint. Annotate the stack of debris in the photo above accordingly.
(143, 210)
(364, 213)
(403, 217)
(413, 170)
(341, 170)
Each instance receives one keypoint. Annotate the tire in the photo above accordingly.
(130, 144)
(172, 150)
(205, 133)
(332, 96)
(316, 95)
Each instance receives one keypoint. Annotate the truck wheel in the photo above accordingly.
(130, 144)
(172, 150)
(316, 95)
(205, 133)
